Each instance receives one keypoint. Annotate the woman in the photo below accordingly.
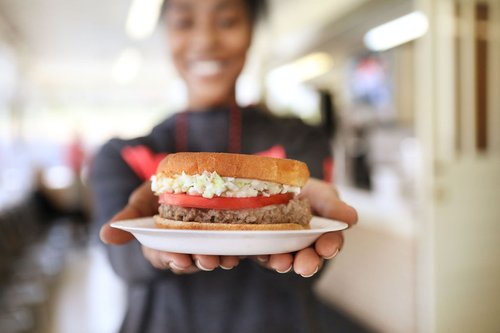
(170, 292)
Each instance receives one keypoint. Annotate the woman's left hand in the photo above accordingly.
(325, 202)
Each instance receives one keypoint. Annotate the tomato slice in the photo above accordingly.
(196, 201)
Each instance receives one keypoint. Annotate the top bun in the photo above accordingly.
(277, 170)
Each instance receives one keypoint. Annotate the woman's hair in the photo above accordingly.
(257, 9)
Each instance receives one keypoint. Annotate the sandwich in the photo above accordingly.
(221, 191)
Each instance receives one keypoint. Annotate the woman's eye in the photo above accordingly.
(227, 22)
(181, 23)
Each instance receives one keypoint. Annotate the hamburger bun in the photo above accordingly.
(283, 171)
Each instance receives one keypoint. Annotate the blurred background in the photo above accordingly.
(408, 90)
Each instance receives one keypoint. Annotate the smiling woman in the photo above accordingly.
(170, 292)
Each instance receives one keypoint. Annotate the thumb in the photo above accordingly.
(114, 236)
(325, 201)
(142, 202)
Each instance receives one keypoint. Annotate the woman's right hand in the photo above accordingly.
(143, 203)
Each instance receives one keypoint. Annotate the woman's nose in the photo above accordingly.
(205, 38)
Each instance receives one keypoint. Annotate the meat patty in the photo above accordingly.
(295, 211)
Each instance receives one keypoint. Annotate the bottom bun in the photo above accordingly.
(172, 224)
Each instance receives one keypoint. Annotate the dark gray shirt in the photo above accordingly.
(247, 298)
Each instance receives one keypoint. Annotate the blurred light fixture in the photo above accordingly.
(397, 32)
(127, 66)
(142, 18)
(303, 69)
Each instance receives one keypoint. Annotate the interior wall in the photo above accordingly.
(458, 239)
(374, 277)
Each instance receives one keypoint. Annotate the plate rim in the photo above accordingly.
(118, 225)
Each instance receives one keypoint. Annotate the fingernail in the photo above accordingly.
(332, 255)
(102, 238)
(228, 267)
(263, 259)
(176, 267)
(200, 266)
(286, 270)
(308, 276)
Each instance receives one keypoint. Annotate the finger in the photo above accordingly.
(192, 269)
(325, 202)
(335, 209)
(281, 263)
(153, 256)
(205, 262)
(228, 262)
(330, 206)
(262, 259)
(339, 210)
(329, 244)
(306, 262)
(141, 203)
(110, 235)
(167, 260)
(143, 200)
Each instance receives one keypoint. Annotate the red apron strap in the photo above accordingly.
(181, 132)
(328, 169)
(234, 144)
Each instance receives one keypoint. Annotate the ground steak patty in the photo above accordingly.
(296, 211)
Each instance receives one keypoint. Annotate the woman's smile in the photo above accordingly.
(205, 68)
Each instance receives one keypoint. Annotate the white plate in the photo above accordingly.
(226, 242)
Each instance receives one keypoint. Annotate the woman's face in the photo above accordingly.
(209, 40)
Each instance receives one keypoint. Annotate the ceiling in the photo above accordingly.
(66, 49)
(79, 31)
(65, 29)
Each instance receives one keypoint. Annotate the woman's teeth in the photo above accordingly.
(206, 67)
